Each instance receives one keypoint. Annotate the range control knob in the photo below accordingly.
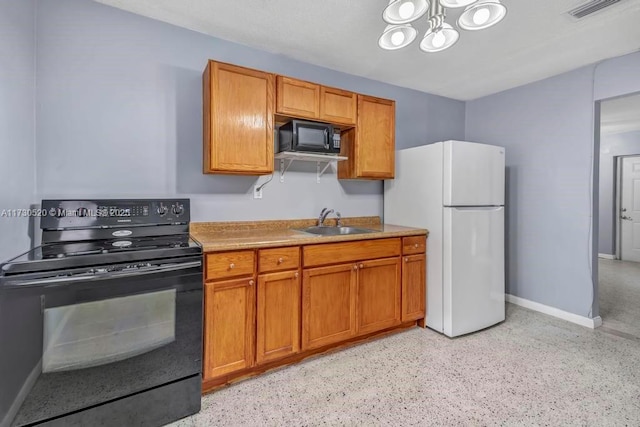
(177, 209)
(162, 210)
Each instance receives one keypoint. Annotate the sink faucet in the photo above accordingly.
(324, 213)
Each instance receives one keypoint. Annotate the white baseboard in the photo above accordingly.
(555, 312)
(606, 256)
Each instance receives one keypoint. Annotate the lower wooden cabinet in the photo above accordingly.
(291, 313)
(229, 315)
(328, 305)
(378, 295)
(278, 316)
(414, 274)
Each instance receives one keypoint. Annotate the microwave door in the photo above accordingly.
(313, 138)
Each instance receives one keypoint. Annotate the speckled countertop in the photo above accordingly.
(225, 236)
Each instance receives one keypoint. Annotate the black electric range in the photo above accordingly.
(102, 323)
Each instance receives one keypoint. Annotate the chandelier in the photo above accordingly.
(477, 15)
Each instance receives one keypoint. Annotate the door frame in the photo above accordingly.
(595, 199)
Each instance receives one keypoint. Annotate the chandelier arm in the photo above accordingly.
(436, 15)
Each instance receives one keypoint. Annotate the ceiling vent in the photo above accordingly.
(591, 7)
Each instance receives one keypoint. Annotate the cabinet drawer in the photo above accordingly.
(278, 259)
(229, 264)
(414, 245)
(334, 253)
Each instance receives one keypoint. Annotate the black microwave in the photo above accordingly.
(307, 136)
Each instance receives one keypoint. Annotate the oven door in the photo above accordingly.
(87, 339)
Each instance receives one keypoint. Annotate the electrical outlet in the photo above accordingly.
(257, 192)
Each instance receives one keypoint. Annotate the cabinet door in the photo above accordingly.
(378, 295)
(278, 316)
(370, 146)
(238, 120)
(338, 106)
(229, 326)
(297, 98)
(414, 287)
(328, 305)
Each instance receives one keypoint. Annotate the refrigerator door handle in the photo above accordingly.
(476, 208)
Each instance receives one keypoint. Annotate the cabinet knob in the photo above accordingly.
(250, 282)
(231, 266)
(416, 245)
(406, 259)
(280, 260)
(361, 265)
(296, 275)
(355, 267)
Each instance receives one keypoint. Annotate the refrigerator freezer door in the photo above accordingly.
(473, 248)
(473, 174)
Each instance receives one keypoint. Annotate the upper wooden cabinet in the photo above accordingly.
(307, 100)
(297, 98)
(241, 106)
(370, 146)
(338, 106)
(238, 115)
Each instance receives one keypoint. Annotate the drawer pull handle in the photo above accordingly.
(231, 266)
(250, 282)
(280, 260)
(416, 245)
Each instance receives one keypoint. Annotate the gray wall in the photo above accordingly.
(17, 121)
(120, 115)
(621, 144)
(552, 213)
(547, 129)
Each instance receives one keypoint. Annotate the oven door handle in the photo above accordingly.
(106, 274)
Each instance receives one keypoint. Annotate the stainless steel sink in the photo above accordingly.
(335, 231)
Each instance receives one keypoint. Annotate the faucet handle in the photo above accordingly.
(339, 222)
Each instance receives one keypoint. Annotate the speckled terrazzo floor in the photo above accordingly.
(530, 370)
(619, 293)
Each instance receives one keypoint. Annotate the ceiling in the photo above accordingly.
(620, 115)
(537, 39)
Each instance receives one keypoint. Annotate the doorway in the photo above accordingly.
(619, 216)
(629, 207)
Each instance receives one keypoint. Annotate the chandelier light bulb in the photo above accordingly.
(399, 12)
(481, 16)
(406, 10)
(438, 39)
(397, 38)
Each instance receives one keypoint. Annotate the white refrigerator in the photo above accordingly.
(455, 189)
